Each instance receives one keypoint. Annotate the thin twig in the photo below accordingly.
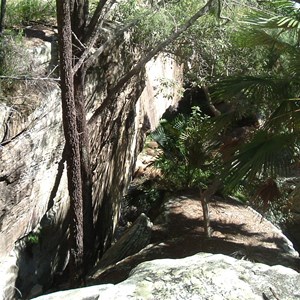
(28, 78)
(78, 40)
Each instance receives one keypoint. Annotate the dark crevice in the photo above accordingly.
(3, 143)
(60, 170)
(5, 179)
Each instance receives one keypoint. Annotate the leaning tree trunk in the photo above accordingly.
(2, 15)
(72, 141)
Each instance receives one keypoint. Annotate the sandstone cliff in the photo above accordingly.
(33, 186)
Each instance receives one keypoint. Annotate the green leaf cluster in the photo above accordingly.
(184, 160)
(22, 12)
(272, 93)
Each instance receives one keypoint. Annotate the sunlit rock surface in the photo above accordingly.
(202, 276)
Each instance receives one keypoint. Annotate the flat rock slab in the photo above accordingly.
(202, 276)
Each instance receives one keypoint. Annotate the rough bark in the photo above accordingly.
(79, 17)
(86, 176)
(2, 15)
(72, 140)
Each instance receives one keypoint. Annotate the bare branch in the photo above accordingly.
(78, 40)
(28, 78)
(95, 19)
(93, 31)
(136, 69)
(89, 61)
(211, 106)
(219, 11)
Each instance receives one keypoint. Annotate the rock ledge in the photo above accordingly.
(202, 276)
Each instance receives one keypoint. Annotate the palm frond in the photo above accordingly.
(252, 87)
(280, 31)
(294, 66)
(266, 154)
(286, 117)
(159, 136)
(275, 22)
(254, 37)
(268, 191)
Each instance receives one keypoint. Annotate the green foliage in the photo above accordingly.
(265, 155)
(33, 238)
(273, 94)
(22, 12)
(208, 49)
(142, 198)
(11, 50)
(185, 158)
(253, 93)
(151, 24)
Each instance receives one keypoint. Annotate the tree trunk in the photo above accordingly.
(206, 217)
(72, 141)
(2, 15)
(86, 175)
(79, 16)
(205, 198)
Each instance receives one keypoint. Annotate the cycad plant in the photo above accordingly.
(273, 95)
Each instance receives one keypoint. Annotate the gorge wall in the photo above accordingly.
(33, 186)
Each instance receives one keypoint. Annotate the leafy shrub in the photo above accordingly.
(11, 50)
(22, 12)
(185, 160)
(16, 63)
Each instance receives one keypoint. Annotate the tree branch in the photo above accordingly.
(93, 31)
(136, 69)
(95, 19)
(213, 109)
(90, 60)
(25, 77)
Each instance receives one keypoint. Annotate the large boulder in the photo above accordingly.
(202, 276)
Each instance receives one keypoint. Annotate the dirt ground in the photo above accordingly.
(178, 232)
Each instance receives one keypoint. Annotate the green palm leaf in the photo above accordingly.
(286, 117)
(252, 87)
(266, 154)
(294, 66)
(257, 37)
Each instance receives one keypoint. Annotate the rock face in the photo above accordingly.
(132, 241)
(33, 186)
(202, 276)
(293, 226)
